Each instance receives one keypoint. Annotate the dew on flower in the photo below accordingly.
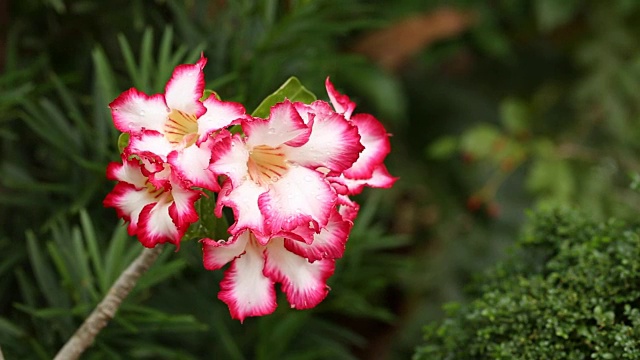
(271, 131)
(142, 112)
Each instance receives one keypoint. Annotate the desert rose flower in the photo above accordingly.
(155, 202)
(176, 125)
(276, 171)
(302, 269)
(369, 169)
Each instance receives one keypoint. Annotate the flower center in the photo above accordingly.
(181, 128)
(266, 164)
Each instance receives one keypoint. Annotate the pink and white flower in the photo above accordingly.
(302, 269)
(369, 169)
(155, 202)
(276, 173)
(287, 179)
(176, 121)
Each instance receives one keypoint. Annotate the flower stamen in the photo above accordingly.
(181, 128)
(266, 164)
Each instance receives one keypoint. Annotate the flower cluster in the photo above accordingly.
(287, 179)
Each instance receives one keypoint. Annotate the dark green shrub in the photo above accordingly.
(571, 290)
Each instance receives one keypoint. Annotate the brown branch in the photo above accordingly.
(106, 309)
(1, 356)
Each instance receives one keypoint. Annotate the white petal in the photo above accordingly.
(134, 111)
(245, 289)
(216, 254)
(229, 157)
(304, 283)
(299, 197)
(185, 88)
(150, 142)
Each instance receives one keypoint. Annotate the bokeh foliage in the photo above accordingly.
(569, 291)
(530, 103)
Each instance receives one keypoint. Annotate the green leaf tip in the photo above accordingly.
(292, 89)
(123, 141)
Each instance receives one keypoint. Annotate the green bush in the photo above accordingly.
(571, 290)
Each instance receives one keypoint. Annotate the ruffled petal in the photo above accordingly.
(185, 88)
(301, 196)
(220, 114)
(284, 126)
(245, 289)
(380, 178)
(151, 142)
(128, 202)
(340, 102)
(183, 211)
(347, 208)
(134, 111)
(328, 244)
(304, 283)
(229, 157)
(334, 143)
(309, 111)
(216, 254)
(128, 171)
(375, 139)
(155, 225)
(243, 200)
(192, 165)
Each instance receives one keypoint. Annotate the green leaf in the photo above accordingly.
(443, 148)
(8, 328)
(292, 89)
(123, 141)
(515, 116)
(479, 141)
(208, 225)
(552, 13)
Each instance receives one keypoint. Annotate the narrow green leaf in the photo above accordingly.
(146, 61)
(104, 91)
(44, 274)
(164, 54)
(113, 260)
(129, 60)
(7, 328)
(292, 89)
(72, 109)
(94, 253)
(159, 273)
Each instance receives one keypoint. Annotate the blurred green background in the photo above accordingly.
(495, 107)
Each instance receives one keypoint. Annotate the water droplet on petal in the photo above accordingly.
(271, 131)
(275, 178)
(318, 197)
(307, 178)
(141, 113)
